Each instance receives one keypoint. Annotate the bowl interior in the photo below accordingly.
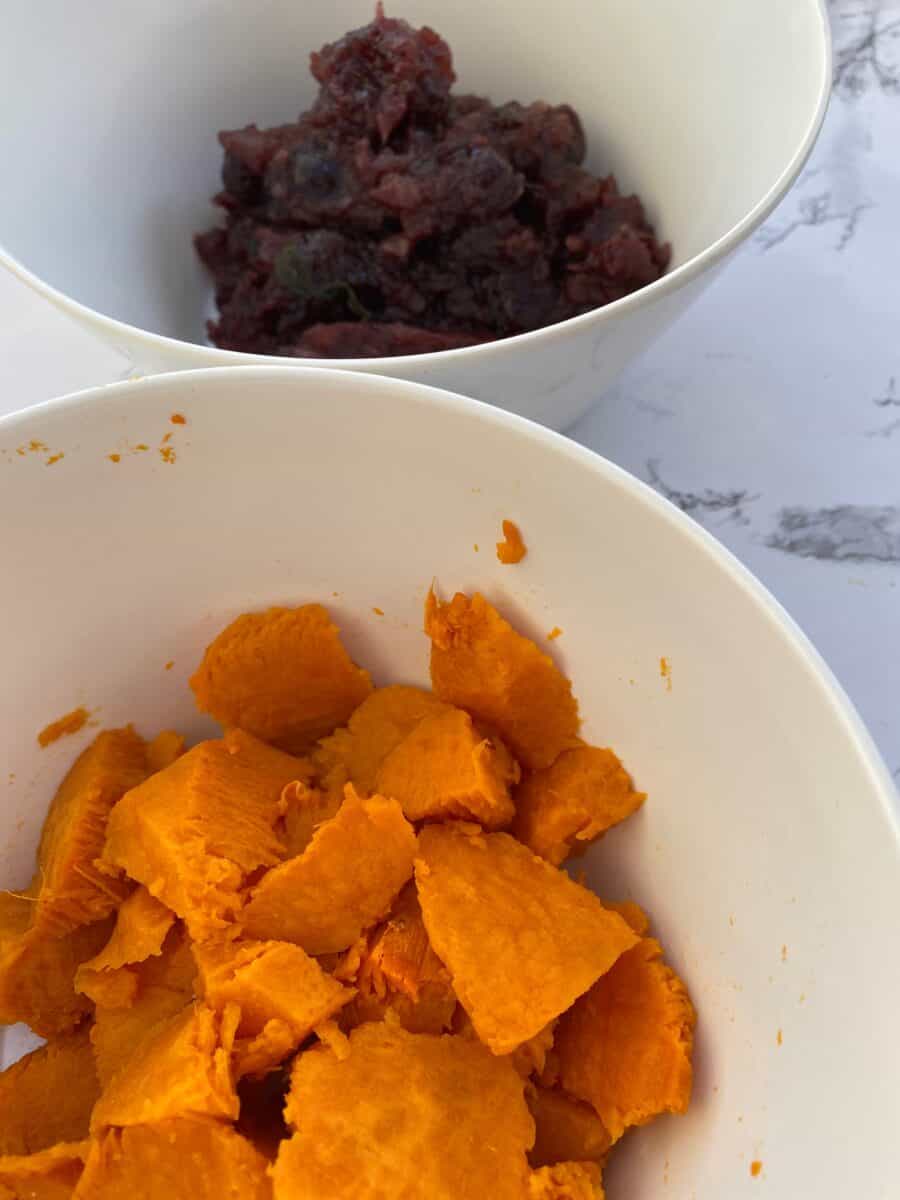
(767, 853)
(113, 155)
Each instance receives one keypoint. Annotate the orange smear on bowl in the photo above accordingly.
(63, 727)
(512, 549)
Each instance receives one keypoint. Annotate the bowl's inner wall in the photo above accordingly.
(112, 155)
(766, 824)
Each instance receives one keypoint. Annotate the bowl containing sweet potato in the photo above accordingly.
(401, 801)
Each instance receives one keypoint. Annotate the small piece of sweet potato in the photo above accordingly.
(142, 924)
(306, 808)
(446, 768)
(163, 750)
(399, 973)
(355, 753)
(50, 1174)
(282, 675)
(566, 1181)
(480, 663)
(345, 880)
(411, 1115)
(563, 808)
(281, 992)
(181, 1068)
(181, 1158)
(194, 832)
(37, 969)
(521, 940)
(69, 889)
(165, 985)
(625, 1047)
(565, 1129)
(47, 1096)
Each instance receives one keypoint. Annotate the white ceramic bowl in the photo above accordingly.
(708, 110)
(768, 852)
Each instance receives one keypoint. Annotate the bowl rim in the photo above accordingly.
(792, 638)
(172, 351)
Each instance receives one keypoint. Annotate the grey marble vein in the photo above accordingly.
(700, 505)
(847, 532)
(816, 211)
(866, 49)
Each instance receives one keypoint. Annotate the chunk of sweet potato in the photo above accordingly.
(182, 1158)
(565, 1129)
(345, 880)
(563, 808)
(50, 1174)
(446, 768)
(379, 725)
(194, 832)
(566, 1181)
(398, 972)
(269, 982)
(163, 750)
(181, 1068)
(426, 1118)
(70, 891)
(165, 985)
(521, 940)
(282, 675)
(480, 663)
(47, 1096)
(306, 808)
(632, 913)
(37, 969)
(625, 1047)
(142, 924)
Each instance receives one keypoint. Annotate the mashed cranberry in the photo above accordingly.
(394, 218)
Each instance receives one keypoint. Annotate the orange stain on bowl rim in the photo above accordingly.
(665, 672)
(756, 1168)
(71, 723)
(779, 1038)
(54, 458)
(169, 665)
(178, 419)
(554, 633)
(114, 457)
(512, 549)
(379, 612)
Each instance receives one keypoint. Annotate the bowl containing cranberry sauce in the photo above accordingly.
(502, 200)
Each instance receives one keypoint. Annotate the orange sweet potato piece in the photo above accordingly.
(281, 992)
(446, 768)
(306, 808)
(521, 940)
(282, 675)
(181, 1068)
(345, 880)
(194, 832)
(69, 888)
(379, 725)
(142, 924)
(37, 970)
(47, 1096)
(400, 973)
(480, 663)
(632, 913)
(625, 1047)
(565, 1129)
(566, 1181)
(404, 1115)
(563, 808)
(50, 1174)
(181, 1158)
(163, 750)
(165, 985)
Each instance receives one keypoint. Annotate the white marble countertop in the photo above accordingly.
(770, 413)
